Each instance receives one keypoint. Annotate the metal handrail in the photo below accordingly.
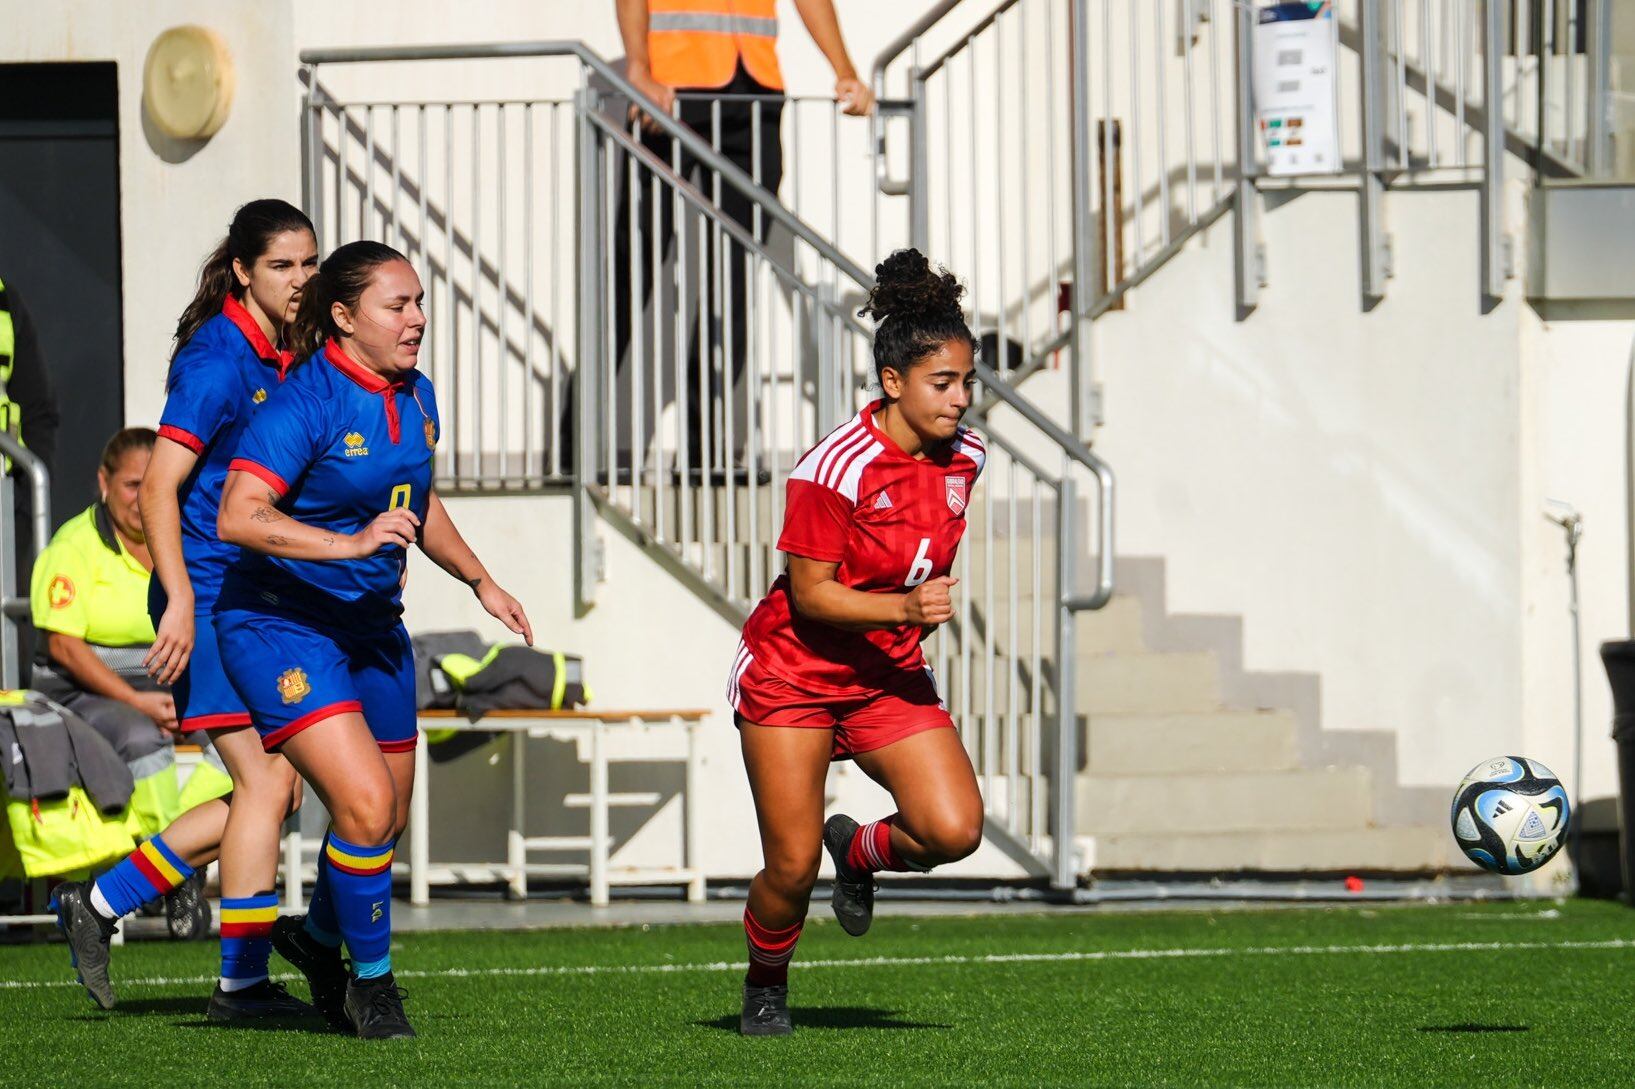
(1080, 453)
(39, 478)
(693, 144)
(14, 606)
(901, 43)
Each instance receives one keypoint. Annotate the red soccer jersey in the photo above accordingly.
(891, 521)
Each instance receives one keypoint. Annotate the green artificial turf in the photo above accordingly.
(1457, 995)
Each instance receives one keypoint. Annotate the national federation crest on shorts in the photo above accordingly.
(954, 490)
(293, 686)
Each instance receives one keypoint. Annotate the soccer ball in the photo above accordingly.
(1510, 815)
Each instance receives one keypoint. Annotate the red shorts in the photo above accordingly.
(861, 723)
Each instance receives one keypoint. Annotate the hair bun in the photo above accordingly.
(905, 285)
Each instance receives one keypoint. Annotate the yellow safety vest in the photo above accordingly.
(10, 418)
(698, 43)
(90, 589)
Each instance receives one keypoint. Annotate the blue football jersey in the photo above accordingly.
(339, 444)
(216, 382)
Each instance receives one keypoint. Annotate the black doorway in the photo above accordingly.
(59, 248)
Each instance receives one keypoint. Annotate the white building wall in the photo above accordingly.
(177, 199)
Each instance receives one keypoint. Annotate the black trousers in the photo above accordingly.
(730, 122)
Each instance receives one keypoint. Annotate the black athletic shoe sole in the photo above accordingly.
(87, 942)
(853, 896)
(264, 1001)
(323, 968)
(766, 1012)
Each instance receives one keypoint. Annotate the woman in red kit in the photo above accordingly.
(830, 666)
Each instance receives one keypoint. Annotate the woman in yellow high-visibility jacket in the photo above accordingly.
(89, 598)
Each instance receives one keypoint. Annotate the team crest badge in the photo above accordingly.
(293, 686)
(260, 395)
(954, 490)
(431, 435)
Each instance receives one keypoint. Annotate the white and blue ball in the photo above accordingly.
(1510, 815)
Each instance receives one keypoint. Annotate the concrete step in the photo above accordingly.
(1148, 683)
(1266, 801)
(1115, 628)
(1408, 848)
(1210, 741)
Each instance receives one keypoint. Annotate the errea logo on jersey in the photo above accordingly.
(354, 445)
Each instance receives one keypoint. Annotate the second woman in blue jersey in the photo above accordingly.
(331, 483)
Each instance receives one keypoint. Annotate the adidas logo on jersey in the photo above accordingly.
(882, 502)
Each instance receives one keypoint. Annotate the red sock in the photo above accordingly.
(871, 850)
(769, 952)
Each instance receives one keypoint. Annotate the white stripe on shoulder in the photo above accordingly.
(850, 476)
(841, 456)
(967, 443)
(807, 467)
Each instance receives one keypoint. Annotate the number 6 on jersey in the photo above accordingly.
(920, 569)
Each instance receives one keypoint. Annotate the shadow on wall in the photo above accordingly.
(471, 800)
(168, 148)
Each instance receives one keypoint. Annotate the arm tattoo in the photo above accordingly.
(474, 583)
(329, 539)
(275, 539)
(266, 514)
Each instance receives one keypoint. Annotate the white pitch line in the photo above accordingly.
(952, 959)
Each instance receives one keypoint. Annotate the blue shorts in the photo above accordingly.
(293, 673)
(205, 698)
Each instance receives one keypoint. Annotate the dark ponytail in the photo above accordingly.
(254, 227)
(916, 311)
(342, 279)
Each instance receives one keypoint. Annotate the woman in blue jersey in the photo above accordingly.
(331, 484)
(226, 363)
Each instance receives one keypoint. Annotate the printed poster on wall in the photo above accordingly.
(1295, 87)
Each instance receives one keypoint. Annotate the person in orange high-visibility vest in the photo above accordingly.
(716, 60)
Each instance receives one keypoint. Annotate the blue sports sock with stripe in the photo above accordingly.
(151, 870)
(321, 924)
(360, 886)
(246, 938)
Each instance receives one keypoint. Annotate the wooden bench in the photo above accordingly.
(587, 728)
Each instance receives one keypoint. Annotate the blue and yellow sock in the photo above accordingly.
(246, 939)
(360, 886)
(147, 872)
(321, 923)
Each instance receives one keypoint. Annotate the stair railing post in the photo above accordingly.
(1598, 44)
(1084, 399)
(1065, 773)
(1493, 219)
(919, 170)
(1375, 248)
(1246, 223)
(593, 256)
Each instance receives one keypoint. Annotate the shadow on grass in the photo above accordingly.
(834, 1017)
(1476, 1028)
(310, 1026)
(149, 1007)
